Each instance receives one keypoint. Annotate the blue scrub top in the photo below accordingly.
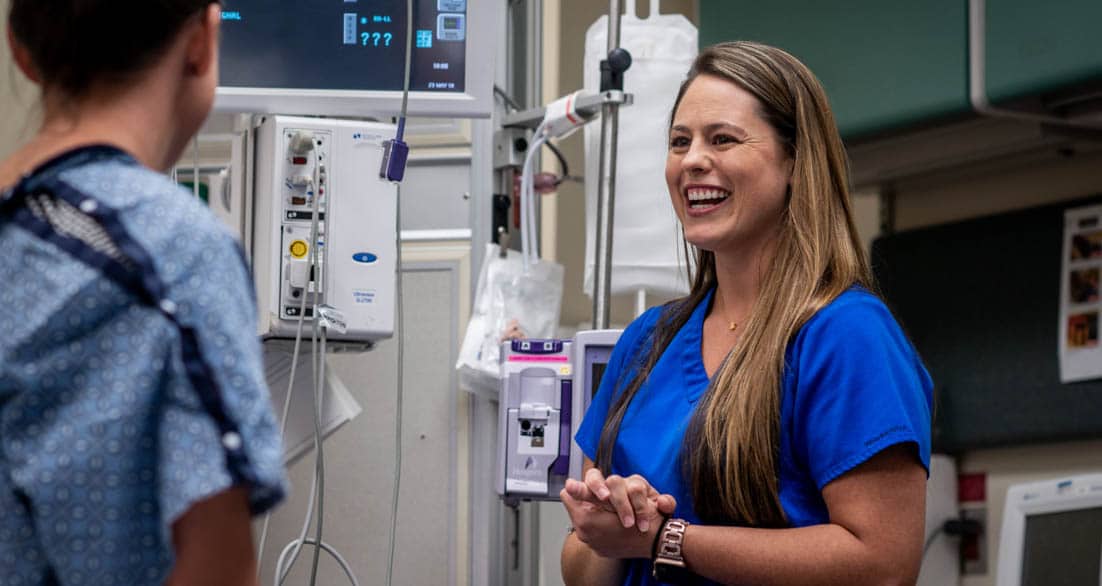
(131, 377)
(853, 385)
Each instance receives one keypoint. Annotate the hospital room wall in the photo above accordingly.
(19, 116)
(998, 188)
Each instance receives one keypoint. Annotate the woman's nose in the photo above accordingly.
(697, 160)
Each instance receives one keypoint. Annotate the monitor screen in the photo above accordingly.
(1063, 548)
(343, 44)
(596, 373)
(348, 57)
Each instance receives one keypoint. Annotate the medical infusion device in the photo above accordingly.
(297, 160)
(592, 350)
(547, 386)
(537, 397)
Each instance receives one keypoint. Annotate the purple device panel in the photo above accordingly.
(562, 463)
(537, 346)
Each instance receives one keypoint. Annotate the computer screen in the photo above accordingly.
(1051, 533)
(1063, 548)
(348, 57)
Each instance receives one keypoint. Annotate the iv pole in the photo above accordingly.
(606, 190)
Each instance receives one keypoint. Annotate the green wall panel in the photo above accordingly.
(886, 64)
(1033, 47)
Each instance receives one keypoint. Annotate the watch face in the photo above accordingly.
(670, 571)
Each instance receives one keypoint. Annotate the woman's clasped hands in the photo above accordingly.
(617, 517)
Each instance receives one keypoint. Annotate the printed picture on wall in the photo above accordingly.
(1083, 330)
(1083, 285)
(1086, 245)
(1080, 298)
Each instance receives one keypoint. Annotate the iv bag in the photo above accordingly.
(646, 247)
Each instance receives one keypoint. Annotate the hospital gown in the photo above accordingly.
(131, 378)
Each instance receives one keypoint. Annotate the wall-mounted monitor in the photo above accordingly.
(1052, 533)
(347, 57)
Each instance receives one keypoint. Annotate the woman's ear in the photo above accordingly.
(22, 58)
(202, 44)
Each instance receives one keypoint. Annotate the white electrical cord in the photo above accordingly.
(528, 199)
(318, 378)
(286, 411)
(317, 483)
(331, 551)
(398, 318)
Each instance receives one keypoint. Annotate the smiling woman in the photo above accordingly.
(777, 411)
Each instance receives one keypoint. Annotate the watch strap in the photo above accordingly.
(669, 560)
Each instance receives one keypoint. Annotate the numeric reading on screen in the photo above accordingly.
(343, 44)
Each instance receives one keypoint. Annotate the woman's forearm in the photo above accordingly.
(820, 554)
(582, 566)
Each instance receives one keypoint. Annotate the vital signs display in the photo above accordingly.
(349, 56)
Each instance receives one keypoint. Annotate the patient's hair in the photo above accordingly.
(76, 44)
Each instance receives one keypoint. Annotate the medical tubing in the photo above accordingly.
(528, 199)
(409, 53)
(398, 304)
(284, 415)
(318, 272)
(398, 407)
(319, 391)
(332, 552)
(562, 162)
(525, 206)
(533, 200)
(319, 395)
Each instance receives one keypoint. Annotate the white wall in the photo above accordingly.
(999, 188)
(18, 97)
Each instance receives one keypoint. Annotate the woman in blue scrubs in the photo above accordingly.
(136, 434)
(772, 427)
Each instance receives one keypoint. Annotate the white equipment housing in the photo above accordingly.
(356, 240)
(592, 350)
(1052, 533)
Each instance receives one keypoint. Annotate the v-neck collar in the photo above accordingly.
(692, 353)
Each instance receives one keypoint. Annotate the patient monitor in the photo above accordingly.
(1052, 533)
(336, 161)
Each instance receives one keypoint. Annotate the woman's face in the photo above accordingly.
(727, 171)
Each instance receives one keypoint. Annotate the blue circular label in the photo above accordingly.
(364, 257)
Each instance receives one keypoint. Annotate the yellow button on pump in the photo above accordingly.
(298, 248)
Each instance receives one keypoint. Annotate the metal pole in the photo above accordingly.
(606, 190)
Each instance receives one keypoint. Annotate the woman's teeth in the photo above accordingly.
(706, 198)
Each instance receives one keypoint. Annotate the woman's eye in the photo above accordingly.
(679, 142)
(724, 139)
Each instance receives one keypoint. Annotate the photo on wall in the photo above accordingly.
(1086, 245)
(1083, 330)
(1080, 300)
(1083, 286)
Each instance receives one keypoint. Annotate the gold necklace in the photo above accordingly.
(731, 325)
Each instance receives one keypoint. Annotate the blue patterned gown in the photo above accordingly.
(131, 378)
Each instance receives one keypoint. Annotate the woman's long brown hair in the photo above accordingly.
(730, 451)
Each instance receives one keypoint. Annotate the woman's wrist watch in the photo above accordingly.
(669, 562)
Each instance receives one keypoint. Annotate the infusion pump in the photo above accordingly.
(546, 389)
(294, 161)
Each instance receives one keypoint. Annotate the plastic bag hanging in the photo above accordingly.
(646, 251)
(510, 301)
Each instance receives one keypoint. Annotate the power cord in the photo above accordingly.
(318, 482)
(959, 527)
(398, 305)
